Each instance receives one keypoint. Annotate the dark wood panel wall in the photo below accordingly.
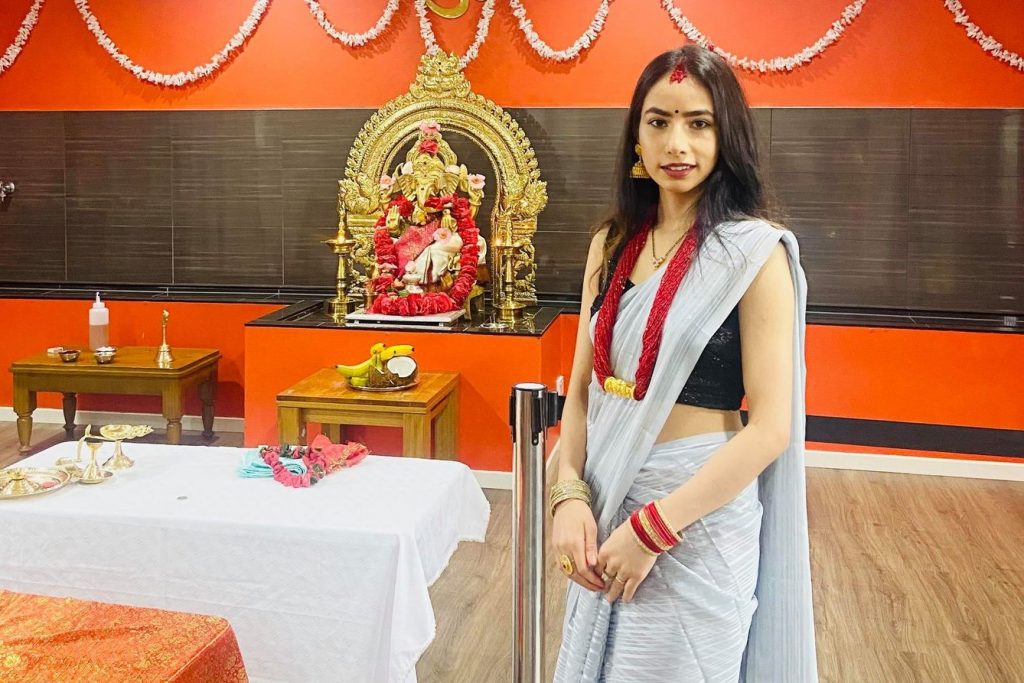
(914, 209)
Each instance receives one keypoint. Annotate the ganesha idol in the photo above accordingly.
(429, 252)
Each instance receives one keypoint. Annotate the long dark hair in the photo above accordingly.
(735, 188)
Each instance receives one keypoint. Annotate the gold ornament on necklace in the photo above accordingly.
(656, 260)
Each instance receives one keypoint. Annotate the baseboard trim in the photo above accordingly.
(191, 423)
(868, 462)
(908, 464)
(490, 479)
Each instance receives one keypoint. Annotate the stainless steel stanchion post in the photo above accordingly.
(528, 406)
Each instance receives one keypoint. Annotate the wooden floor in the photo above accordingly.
(917, 579)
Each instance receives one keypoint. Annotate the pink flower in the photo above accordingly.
(476, 181)
(442, 235)
(430, 127)
(428, 146)
(354, 453)
(320, 442)
(386, 182)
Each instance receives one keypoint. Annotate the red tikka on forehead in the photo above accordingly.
(678, 73)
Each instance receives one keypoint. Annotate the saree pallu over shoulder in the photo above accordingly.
(621, 434)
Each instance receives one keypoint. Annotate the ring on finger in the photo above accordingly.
(618, 580)
(566, 565)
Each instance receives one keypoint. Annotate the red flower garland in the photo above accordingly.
(606, 315)
(320, 458)
(389, 303)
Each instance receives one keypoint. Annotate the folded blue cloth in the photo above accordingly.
(253, 466)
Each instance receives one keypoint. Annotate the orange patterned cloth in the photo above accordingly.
(63, 639)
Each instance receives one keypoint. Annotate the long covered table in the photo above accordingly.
(327, 583)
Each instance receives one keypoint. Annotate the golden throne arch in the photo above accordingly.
(442, 93)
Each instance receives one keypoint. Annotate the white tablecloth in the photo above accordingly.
(327, 583)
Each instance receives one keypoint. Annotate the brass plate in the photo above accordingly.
(48, 478)
(107, 474)
(382, 389)
(124, 432)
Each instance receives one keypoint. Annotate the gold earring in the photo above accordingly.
(638, 170)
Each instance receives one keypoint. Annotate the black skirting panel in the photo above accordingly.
(914, 436)
(1004, 443)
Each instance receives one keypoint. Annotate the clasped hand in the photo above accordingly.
(617, 568)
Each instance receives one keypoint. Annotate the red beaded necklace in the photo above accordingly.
(606, 315)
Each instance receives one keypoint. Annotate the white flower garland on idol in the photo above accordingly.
(571, 52)
(353, 39)
(851, 12)
(482, 27)
(24, 31)
(182, 77)
(987, 42)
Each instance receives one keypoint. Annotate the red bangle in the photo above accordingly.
(660, 525)
(641, 533)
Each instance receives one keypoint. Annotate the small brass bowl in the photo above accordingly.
(104, 354)
(69, 355)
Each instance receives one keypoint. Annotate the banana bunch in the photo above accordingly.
(377, 371)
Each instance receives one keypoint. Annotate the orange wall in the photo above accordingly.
(905, 53)
(964, 379)
(33, 325)
(277, 358)
(968, 379)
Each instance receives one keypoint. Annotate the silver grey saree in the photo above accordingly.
(732, 602)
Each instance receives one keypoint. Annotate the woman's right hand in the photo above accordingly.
(574, 533)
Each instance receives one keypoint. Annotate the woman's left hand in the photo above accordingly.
(624, 563)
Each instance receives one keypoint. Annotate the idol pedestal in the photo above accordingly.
(285, 346)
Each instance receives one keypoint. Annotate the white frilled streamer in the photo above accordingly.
(589, 36)
(24, 31)
(987, 42)
(259, 9)
(775, 64)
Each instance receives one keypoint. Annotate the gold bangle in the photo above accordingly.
(664, 520)
(569, 495)
(577, 486)
(647, 551)
(569, 489)
(571, 483)
(558, 501)
(649, 528)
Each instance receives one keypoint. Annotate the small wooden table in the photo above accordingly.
(429, 409)
(133, 371)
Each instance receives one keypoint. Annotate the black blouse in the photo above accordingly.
(717, 378)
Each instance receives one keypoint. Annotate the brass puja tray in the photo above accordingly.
(382, 389)
(21, 482)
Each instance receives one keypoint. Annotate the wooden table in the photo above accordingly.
(133, 371)
(429, 409)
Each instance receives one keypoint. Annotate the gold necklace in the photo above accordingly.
(656, 260)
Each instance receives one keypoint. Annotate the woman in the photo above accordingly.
(678, 572)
